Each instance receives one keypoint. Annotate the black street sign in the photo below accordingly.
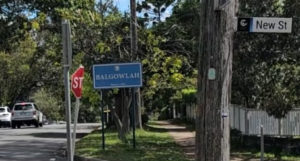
(244, 24)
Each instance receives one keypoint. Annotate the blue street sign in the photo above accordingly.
(121, 75)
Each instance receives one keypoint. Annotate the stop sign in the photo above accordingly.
(76, 81)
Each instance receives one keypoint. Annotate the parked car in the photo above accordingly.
(5, 117)
(26, 113)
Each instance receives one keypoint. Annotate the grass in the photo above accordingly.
(151, 145)
(155, 144)
(248, 154)
(273, 152)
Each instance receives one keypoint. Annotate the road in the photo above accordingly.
(37, 144)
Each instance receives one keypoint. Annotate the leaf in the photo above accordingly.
(102, 48)
(35, 25)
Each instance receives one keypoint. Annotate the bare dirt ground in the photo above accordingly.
(186, 139)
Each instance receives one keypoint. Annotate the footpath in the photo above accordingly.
(182, 137)
(186, 139)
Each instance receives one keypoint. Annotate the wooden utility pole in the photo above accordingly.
(214, 80)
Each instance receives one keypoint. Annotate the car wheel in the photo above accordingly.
(13, 125)
(19, 126)
(41, 124)
(36, 124)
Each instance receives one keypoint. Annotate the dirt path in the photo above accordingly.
(186, 139)
(183, 137)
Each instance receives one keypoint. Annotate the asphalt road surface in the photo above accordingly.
(37, 144)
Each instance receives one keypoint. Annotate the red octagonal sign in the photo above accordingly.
(76, 82)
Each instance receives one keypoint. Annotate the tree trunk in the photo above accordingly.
(127, 99)
(118, 122)
(120, 114)
(138, 111)
(216, 46)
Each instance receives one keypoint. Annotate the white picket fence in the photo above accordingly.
(248, 121)
(191, 112)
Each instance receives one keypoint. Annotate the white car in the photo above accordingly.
(5, 117)
(26, 113)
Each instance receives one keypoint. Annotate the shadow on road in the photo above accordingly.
(29, 150)
(55, 135)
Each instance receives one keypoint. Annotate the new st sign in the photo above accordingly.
(76, 82)
(122, 75)
(265, 24)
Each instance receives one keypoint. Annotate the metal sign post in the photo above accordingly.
(76, 86)
(76, 111)
(102, 120)
(262, 143)
(67, 51)
(133, 116)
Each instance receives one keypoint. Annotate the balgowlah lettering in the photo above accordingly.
(118, 76)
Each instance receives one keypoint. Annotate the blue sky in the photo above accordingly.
(124, 5)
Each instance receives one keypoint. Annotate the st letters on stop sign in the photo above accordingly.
(76, 82)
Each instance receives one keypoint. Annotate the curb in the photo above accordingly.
(79, 158)
(63, 153)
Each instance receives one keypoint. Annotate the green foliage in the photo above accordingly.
(163, 70)
(266, 66)
(89, 108)
(189, 95)
(169, 61)
(89, 92)
(48, 104)
(18, 74)
(103, 48)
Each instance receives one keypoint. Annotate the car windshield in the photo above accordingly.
(23, 107)
(2, 110)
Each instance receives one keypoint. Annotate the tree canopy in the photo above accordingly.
(266, 67)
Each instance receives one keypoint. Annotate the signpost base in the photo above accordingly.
(102, 120)
(133, 116)
(76, 111)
